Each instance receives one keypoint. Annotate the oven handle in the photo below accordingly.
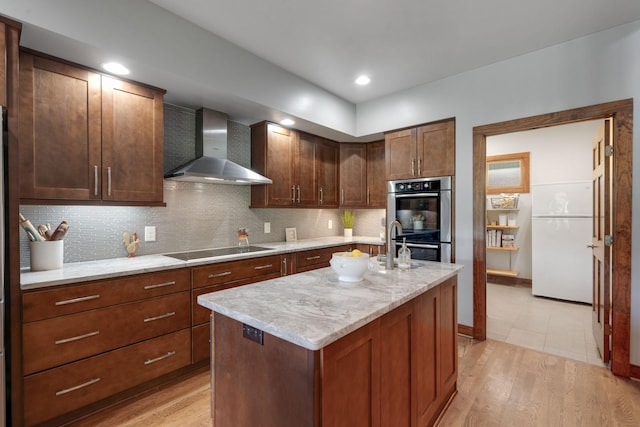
(416, 245)
(402, 196)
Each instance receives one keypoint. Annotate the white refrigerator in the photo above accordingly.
(561, 230)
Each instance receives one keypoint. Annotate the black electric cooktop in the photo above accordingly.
(208, 253)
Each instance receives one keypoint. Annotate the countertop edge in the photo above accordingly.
(86, 271)
(318, 344)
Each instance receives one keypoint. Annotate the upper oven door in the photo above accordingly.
(425, 217)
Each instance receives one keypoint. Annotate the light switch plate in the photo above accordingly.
(149, 233)
(267, 227)
(330, 224)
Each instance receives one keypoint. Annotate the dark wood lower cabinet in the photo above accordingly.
(398, 370)
(66, 388)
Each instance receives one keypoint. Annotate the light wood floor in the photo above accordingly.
(499, 384)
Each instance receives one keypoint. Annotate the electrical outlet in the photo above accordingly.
(330, 224)
(267, 227)
(149, 233)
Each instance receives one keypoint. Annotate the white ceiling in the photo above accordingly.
(268, 59)
(401, 43)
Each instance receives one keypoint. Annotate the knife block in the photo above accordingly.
(46, 255)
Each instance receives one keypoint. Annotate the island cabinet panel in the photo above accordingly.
(396, 367)
(397, 370)
(58, 391)
(86, 137)
(269, 384)
(351, 379)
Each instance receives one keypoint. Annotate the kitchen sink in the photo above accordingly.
(208, 253)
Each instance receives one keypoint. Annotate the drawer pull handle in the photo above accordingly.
(159, 358)
(162, 316)
(225, 273)
(79, 337)
(261, 267)
(160, 285)
(309, 258)
(81, 299)
(78, 387)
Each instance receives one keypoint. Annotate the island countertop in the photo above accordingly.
(314, 309)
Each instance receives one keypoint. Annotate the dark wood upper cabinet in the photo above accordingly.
(303, 168)
(85, 137)
(376, 182)
(420, 152)
(362, 183)
(327, 159)
(353, 175)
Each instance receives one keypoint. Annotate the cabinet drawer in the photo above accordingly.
(59, 301)
(201, 314)
(64, 389)
(317, 258)
(53, 342)
(235, 270)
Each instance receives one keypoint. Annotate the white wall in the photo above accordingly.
(598, 68)
(557, 154)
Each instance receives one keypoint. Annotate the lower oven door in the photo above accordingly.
(440, 252)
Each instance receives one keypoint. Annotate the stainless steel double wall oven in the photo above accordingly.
(423, 207)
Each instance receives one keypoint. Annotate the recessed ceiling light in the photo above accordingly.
(116, 68)
(363, 80)
(287, 122)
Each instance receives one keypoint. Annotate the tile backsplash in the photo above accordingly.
(197, 216)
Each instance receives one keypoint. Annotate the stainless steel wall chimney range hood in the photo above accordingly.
(212, 165)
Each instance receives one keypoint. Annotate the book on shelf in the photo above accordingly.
(508, 241)
(494, 238)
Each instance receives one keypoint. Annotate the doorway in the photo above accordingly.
(621, 112)
(551, 253)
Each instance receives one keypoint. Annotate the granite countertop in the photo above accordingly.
(314, 309)
(111, 268)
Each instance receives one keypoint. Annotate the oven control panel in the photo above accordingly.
(416, 186)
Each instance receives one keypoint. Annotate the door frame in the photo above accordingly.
(622, 114)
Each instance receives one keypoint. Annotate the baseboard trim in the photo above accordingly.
(634, 371)
(465, 330)
(506, 280)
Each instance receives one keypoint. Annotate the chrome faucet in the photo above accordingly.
(390, 245)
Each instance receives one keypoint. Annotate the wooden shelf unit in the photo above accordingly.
(501, 272)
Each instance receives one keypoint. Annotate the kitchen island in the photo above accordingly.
(309, 350)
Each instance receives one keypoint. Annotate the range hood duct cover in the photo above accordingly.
(211, 165)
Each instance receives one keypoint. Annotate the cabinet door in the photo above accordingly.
(327, 160)
(400, 154)
(376, 183)
(59, 130)
(426, 336)
(436, 149)
(281, 165)
(395, 368)
(306, 183)
(353, 175)
(132, 142)
(351, 379)
(449, 336)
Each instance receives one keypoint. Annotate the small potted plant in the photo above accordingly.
(348, 219)
(418, 221)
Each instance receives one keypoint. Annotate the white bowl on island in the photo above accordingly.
(350, 266)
